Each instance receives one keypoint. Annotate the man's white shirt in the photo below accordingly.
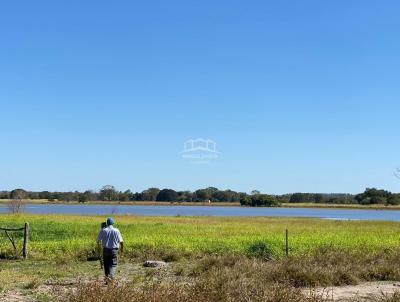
(110, 237)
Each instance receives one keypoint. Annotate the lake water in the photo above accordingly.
(339, 214)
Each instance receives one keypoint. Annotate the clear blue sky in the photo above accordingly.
(298, 95)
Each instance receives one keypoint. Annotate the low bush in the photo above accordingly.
(241, 279)
(204, 290)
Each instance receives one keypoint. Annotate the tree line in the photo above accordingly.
(210, 194)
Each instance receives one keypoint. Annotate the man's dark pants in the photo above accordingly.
(110, 257)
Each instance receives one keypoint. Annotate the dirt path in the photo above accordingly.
(15, 296)
(363, 291)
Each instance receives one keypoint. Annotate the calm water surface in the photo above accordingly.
(342, 214)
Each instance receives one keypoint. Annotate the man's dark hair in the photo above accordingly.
(103, 225)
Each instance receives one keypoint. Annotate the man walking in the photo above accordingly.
(111, 240)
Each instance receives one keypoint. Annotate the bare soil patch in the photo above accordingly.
(368, 291)
(16, 296)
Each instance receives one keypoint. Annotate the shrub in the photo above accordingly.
(260, 250)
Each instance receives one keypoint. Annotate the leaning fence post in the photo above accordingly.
(26, 239)
(287, 242)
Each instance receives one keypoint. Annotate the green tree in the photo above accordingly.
(373, 196)
(264, 200)
(167, 195)
(245, 200)
(319, 198)
(125, 196)
(185, 196)
(394, 199)
(150, 194)
(108, 193)
(203, 195)
(83, 198)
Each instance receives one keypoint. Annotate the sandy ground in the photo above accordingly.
(362, 291)
(16, 296)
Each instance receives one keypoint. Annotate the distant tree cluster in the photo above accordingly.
(318, 198)
(109, 193)
(374, 196)
(259, 200)
(210, 194)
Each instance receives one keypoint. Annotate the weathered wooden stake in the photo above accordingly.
(287, 242)
(26, 239)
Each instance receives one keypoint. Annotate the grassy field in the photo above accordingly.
(74, 236)
(223, 257)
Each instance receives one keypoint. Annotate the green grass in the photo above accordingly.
(56, 236)
(324, 253)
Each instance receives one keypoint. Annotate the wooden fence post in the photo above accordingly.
(26, 239)
(287, 242)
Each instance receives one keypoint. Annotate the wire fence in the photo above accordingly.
(14, 242)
